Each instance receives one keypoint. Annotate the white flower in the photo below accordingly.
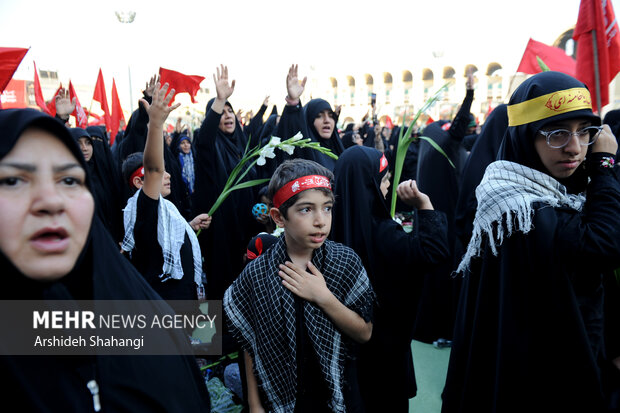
(297, 137)
(287, 148)
(260, 161)
(273, 142)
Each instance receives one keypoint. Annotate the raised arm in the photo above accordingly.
(291, 121)
(158, 112)
(458, 129)
(223, 88)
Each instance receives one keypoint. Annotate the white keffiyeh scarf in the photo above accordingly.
(171, 230)
(510, 189)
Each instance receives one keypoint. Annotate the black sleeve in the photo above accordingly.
(458, 129)
(253, 129)
(290, 122)
(426, 245)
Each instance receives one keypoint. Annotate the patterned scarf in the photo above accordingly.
(261, 313)
(171, 230)
(510, 189)
(187, 173)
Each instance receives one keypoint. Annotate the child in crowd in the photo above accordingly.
(163, 246)
(299, 308)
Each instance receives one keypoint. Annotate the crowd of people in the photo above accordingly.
(509, 255)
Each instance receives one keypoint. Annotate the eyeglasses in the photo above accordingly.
(561, 137)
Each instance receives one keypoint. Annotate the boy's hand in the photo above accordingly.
(202, 221)
(409, 193)
(159, 110)
(310, 287)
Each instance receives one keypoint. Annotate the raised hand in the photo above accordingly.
(409, 193)
(266, 101)
(469, 83)
(222, 87)
(159, 110)
(606, 141)
(150, 85)
(294, 87)
(64, 105)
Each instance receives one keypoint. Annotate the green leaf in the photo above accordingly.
(438, 148)
(405, 141)
(542, 65)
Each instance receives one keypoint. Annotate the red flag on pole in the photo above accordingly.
(117, 113)
(554, 57)
(181, 83)
(38, 94)
(81, 119)
(101, 97)
(10, 58)
(597, 35)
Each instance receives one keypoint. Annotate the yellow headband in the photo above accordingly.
(549, 105)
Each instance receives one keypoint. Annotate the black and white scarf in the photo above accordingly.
(261, 312)
(171, 230)
(509, 189)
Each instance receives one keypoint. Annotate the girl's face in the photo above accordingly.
(86, 147)
(227, 121)
(46, 207)
(324, 124)
(562, 162)
(186, 147)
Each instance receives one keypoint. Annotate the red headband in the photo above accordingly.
(138, 172)
(383, 163)
(298, 185)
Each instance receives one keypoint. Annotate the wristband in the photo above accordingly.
(607, 162)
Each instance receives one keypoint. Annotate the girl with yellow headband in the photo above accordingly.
(529, 329)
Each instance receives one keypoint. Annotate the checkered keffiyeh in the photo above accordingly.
(171, 230)
(262, 319)
(509, 188)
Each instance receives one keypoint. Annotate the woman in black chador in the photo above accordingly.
(54, 247)
(219, 147)
(395, 262)
(529, 328)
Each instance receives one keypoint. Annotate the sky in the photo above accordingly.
(259, 40)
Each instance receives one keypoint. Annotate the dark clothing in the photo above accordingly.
(224, 242)
(482, 154)
(533, 314)
(395, 262)
(440, 181)
(147, 255)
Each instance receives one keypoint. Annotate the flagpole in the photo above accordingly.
(597, 80)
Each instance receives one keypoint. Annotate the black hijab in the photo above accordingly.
(482, 154)
(127, 383)
(309, 114)
(358, 176)
(518, 144)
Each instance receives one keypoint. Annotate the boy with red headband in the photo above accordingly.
(299, 308)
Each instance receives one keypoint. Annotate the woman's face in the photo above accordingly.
(227, 121)
(86, 147)
(324, 124)
(46, 207)
(562, 162)
(185, 146)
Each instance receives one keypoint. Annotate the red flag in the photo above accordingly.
(388, 122)
(429, 121)
(101, 97)
(51, 104)
(10, 58)
(38, 94)
(554, 57)
(81, 119)
(117, 113)
(180, 83)
(597, 15)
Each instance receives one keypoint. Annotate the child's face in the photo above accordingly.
(309, 221)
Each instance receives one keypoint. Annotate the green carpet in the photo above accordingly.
(431, 365)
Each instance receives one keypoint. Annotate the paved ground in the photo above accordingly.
(431, 365)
